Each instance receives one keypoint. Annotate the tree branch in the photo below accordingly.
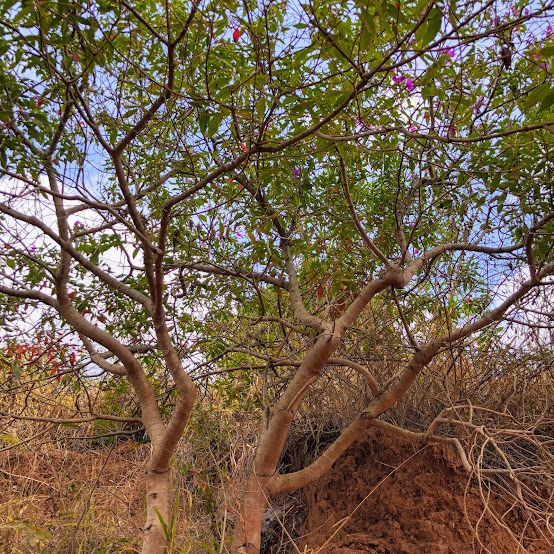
(369, 243)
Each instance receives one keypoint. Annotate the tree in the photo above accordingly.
(281, 165)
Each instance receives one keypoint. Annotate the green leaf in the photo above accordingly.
(548, 100)
(536, 96)
(543, 248)
(163, 524)
(16, 368)
(547, 51)
(433, 27)
(213, 125)
(203, 120)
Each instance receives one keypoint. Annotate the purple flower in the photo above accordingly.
(398, 79)
(295, 172)
(449, 52)
(409, 84)
(413, 129)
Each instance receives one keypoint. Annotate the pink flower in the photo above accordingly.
(402, 79)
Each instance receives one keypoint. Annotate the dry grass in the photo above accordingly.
(85, 501)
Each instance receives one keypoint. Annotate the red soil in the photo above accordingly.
(401, 497)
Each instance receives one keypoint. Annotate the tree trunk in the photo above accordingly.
(249, 527)
(159, 496)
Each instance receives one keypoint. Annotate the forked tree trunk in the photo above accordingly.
(159, 496)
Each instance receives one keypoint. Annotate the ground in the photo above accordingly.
(386, 495)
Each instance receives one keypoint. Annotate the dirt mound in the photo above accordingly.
(388, 495)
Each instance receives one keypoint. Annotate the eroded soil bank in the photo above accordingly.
(388, 495)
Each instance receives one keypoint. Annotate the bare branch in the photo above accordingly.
(369, 243)
(100, 361)
(411, 338)
(93, 417)
(219, 270)
(296, 301)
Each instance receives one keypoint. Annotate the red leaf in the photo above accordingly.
(236, 35)
(320, 291)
